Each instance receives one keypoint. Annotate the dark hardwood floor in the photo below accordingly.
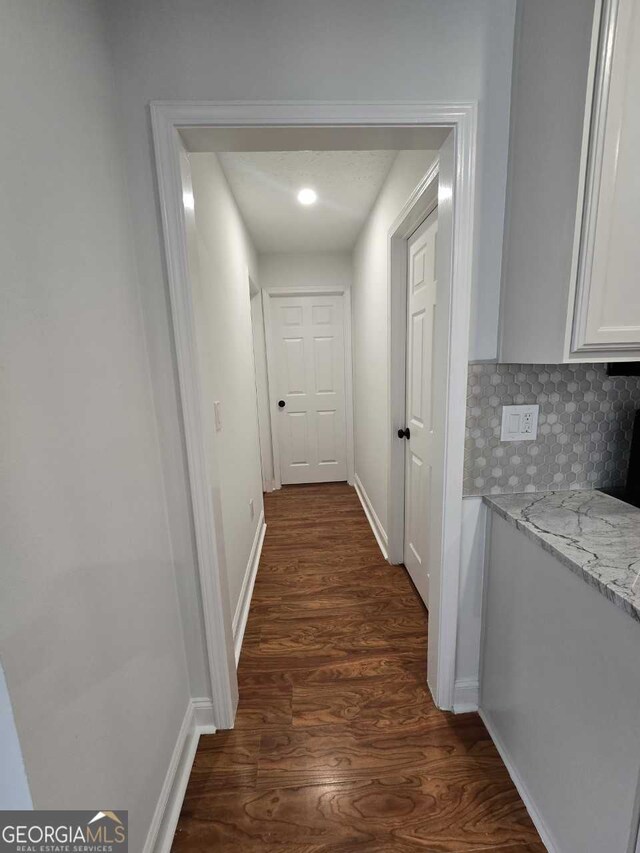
(338, 746)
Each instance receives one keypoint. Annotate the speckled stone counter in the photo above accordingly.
(595, 535)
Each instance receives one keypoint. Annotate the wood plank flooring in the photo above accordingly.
(338, 747)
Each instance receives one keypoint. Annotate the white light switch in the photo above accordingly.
(519, 423)
(217, 415)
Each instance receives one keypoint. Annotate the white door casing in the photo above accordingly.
(458, 180)
(262, 391)
(420, 446)
(307, 375)
(437, 189)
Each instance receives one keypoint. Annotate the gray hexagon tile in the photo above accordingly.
(584, 427)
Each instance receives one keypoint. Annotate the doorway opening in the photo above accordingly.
(340, 420)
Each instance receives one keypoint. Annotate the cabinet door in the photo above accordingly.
(607, 311)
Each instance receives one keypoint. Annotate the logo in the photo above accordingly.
(64, 832)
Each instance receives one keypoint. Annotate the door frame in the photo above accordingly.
(271, 293)
(439, 187)
(420, 204)
(435, 190)
(400, 237)
(167, 119)
(264, 417)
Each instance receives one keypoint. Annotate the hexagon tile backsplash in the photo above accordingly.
(584, 429)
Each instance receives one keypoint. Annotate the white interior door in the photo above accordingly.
(309, 387)
(420, 444)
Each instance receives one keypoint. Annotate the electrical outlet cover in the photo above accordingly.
(519, 423)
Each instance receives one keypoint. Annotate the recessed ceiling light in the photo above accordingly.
(307, 196)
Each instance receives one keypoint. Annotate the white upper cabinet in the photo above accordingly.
(607, 315)
(571, 264)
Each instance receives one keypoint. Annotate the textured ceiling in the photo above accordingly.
(265, 185)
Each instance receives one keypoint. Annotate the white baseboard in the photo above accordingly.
(244, 601)
(530, 806)
(203, 716)
(372, 518)
(198, 719)
(466, 692)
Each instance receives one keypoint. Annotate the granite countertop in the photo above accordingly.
(595, 535)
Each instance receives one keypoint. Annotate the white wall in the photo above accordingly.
(90, 633)
(223, 310)
(85, 527)
(287, 49)
(307, 269)
(334, 50)
(472, 557)
(370, 316)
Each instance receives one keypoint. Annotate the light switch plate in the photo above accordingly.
(519, 423)
(217, 415)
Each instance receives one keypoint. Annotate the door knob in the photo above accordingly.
(404, 433)
(281, 404)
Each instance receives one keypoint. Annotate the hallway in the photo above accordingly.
(338, 745)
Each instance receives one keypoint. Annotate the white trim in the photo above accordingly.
(179, 114)
(203, 715)
(466, 693)
(348, 387)
(209, 536)
(271, 482)
(316, 290)
(271, 381)
(525, 796)
(372, 517)
(461, 117)
(167, 811)
(263, 419)
(244, 601)
(457, 201)
(444, 609)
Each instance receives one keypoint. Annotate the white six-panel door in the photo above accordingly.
(419, 455)
(308, 377)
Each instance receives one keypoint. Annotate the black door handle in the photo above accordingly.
(281, 403)
(404, 433)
